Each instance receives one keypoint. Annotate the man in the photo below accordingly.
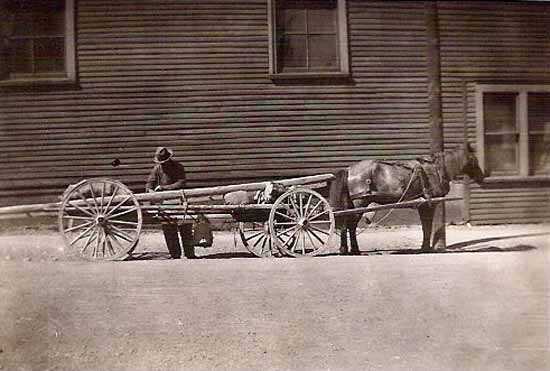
(168, 175)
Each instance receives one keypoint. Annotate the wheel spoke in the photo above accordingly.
(311, 240)
(124, 222)
(266, 238)
(290, 237)
(112, 237)
(130, 210)
(319, 222)
(254, 236)
(83, 225)
(318, 215)
(109, 243)
(285, 230)
(80, 208)
(81, 235)
(294, 206)
(118, 206)
(77, 217)
(102, 196)
(317, 237)
(258, 240)
(93, 198)
(302, 232)
(314, 209)
(83, 198)
(111, 199)
(120, 233)
(97, 244)
(307, 205)
(285, 216)
(88, 242)
(319, 230)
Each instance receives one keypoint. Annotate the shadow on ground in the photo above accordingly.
(157, 255)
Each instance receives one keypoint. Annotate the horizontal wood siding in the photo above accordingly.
(493, 42)
(193, 75)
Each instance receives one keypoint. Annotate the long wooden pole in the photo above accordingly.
(435, 111)
(171, 195)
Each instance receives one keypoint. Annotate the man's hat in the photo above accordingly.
(162, 154)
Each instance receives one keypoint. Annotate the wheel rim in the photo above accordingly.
(256, 238)
(100, 219)
(301, 223)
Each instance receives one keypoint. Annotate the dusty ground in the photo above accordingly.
(482, 305)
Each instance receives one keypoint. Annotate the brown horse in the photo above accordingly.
(384, 182)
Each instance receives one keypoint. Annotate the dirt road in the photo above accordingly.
(483, 305)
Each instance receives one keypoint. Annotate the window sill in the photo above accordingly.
(311, 76)
(52, 83)
(518, 179)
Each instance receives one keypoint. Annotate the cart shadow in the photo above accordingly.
(158, 255)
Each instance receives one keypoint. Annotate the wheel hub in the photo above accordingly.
(101, 220)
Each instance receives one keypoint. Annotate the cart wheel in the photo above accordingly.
(100, 219)
(256, 238)
(301, 222)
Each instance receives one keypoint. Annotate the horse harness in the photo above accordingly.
(419, 170)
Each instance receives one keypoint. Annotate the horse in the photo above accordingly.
(383, 182)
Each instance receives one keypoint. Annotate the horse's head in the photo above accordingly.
(471, 165)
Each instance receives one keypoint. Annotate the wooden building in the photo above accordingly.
(251, 89)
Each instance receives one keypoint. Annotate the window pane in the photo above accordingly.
(21, 56)
(322, 17)
(292, 21)
(49, 55)
(499, 112)
(501, 154)
(23, 24)
(539, 112)
(323, 52)
(539, 153)
(49, 23)
(293, 51)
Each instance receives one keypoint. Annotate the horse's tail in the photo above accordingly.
(339, 196)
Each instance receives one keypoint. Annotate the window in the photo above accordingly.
(308, 38)
(38, 41)
(513, 124)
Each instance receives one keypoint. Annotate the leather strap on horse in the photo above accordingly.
(426, 188)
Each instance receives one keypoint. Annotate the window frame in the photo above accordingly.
(47, 79)
(522, 122)
(343, 47)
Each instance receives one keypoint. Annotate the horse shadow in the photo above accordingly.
(460, 247)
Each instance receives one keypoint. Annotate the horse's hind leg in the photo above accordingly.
(344, 239)
(426, 213)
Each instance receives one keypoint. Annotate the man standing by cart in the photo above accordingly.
(169, 175)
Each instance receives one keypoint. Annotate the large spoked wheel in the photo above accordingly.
(301, 223)
(100, 219)
(256, 238)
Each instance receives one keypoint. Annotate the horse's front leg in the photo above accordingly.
(426, 213)
(352, 227)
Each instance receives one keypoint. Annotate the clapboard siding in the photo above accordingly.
(500, 43)
(193, 75)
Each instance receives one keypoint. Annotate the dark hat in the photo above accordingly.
(162, 154)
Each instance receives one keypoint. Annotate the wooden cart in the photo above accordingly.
(101, 219)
